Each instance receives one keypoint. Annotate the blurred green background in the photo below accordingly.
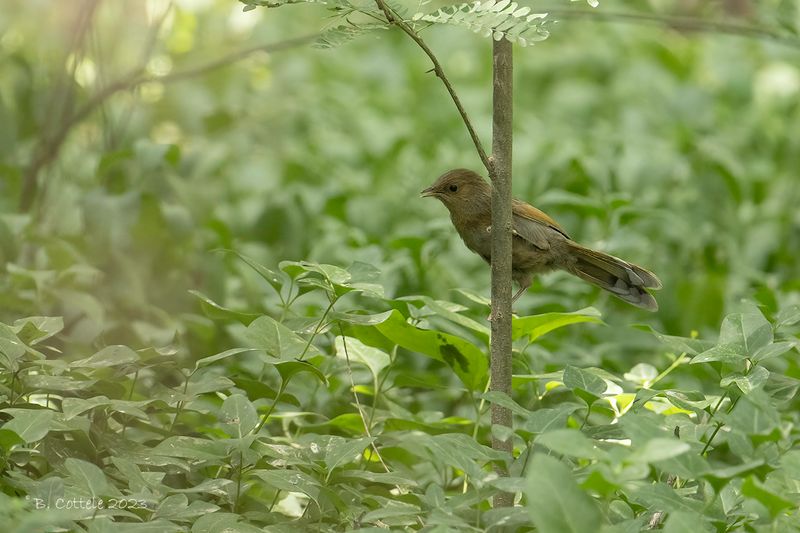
(674, 149)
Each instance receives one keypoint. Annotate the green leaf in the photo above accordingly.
(773, 350)
(742, 335)
(87, 476)
(555, 502)
(755, 379)
(375, 359)
(457, 450)
(238, 415)
(35, 329)
(468, 362)
(205, 361)
(9, 439)
(537, 325)
(492, 18)
(659, 449)
(11, 347)
(268, 275)
(578, 378)
(546, 419)
(287, 369)
(340, 451)
(504, 400)
(214, 310)
(683, 521)
(276, 340)
(30, 424)
(289, 481)
(686, 345)
(662, 497)
(776, 503)
(571, 442)
(109, 356)
(344, 33)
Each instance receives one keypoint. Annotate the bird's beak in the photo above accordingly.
(430, 191)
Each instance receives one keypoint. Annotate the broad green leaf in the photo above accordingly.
(35, 329)
(662, 497)
(724, 353)
(340, 451)
(555, 502)
(659, 449)
(571, 442)
(191, 448)
(30, 424)
(289, 480)
(756, 378)
(468, 362)
(375, 359)
(9, 439)
(688, 345)
(109, 356)
(548, 419)
(684, 521)
(287, 369)
(773, 350)
(776, 503)
(223, 522)
(11, 347)
(88, 477)
(441, 309)
(361, 320)
(205, 361)
(457, 450)
(537, 325)
(278, 341)
(504, 400)
(238, 415)
(578, 378)
(741, 337)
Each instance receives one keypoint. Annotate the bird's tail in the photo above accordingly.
(622, 279)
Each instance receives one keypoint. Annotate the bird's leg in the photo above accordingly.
(519, 293)
(514, 298)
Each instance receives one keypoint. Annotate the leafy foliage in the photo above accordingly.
(229, 310)
(496, 19)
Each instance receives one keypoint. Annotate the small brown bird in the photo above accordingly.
(539, 243)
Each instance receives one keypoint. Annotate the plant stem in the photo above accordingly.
(500, 173)
(317, 328)
(392, 18)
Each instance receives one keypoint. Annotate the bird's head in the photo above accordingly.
(460, 190)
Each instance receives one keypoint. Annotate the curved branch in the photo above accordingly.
(439, 71)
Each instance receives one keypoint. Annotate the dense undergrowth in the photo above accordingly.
(240, 316)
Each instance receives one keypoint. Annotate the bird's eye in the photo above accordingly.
(453, 188)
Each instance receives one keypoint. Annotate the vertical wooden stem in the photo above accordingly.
(502, 114)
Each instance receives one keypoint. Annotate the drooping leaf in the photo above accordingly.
(468, 362)
(555, 502)
(537, 325)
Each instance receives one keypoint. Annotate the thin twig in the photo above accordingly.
(358, 402)
(658, 516)
(439, 71)
(679, 23)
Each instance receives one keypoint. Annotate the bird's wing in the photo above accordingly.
(534, 225)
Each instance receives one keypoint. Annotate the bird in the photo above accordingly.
(539, 244)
